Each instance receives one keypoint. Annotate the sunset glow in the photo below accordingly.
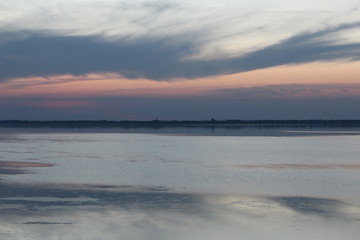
(334, 75)
(236, 52)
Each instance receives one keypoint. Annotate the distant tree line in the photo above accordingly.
(178, 123)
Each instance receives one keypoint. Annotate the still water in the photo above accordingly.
(173, 185)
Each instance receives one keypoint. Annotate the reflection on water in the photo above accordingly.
(12, 168)
(91, 212)
(157, 186)
(204, 130)
(300, 166)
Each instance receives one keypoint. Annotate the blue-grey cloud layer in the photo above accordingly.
(36, 54)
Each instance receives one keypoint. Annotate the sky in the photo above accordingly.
(185, 60)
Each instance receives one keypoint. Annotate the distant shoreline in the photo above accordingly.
(176, 123)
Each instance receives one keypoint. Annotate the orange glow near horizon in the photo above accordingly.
(112, 84)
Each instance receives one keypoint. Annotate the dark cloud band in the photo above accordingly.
(34, 54)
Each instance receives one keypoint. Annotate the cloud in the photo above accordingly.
(42, 54)
(292, 91)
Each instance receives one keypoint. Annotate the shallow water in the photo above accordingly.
(106, 185)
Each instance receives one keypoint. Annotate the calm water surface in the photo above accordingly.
(291, 184)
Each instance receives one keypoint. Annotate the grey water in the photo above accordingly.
(180, 184)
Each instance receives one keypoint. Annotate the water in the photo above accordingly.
(282, 184)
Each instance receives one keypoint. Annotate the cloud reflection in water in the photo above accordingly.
(12, 168)
(127, 212)
(279, 166)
